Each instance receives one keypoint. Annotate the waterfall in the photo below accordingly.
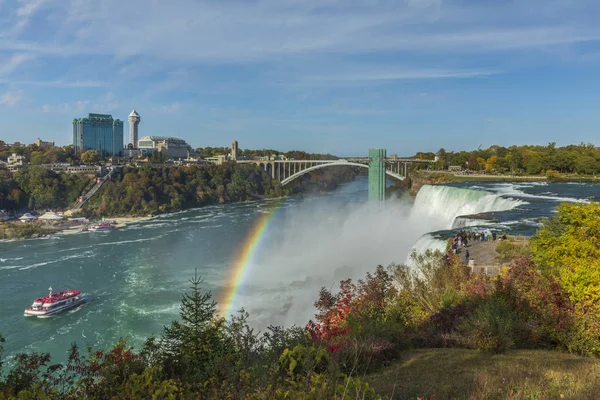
(438, 206)
(427, 242)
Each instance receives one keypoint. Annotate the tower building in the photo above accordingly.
(234, 150)
(134, 121)
(377, 174)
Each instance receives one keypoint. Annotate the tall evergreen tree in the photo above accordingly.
(187, 347)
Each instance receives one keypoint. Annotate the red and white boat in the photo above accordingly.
(103, 226)
(54, 303)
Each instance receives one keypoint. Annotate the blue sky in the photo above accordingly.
(335, 76)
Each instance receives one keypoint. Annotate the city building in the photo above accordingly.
(15, 162)
(171, 146)
(40, 143)
(15, 159)
(131, 152)
(86, 169)
(134, 121)
(218, 160)
(234, 150)
(98, 132)
(57, 167)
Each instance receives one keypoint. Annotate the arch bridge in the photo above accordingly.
(285, 171)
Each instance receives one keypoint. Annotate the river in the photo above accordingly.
(135, 276)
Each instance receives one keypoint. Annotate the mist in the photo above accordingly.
(327, 239)
(318, 244)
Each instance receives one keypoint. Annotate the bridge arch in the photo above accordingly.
(336, 164)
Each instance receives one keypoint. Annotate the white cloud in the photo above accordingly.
(192, 30)
(10, 64)
(103, 104)
(26, 10)
(180, 46)
(55, 83)
(11, 98)
(406, 74)
(170, 108)
(81, 105)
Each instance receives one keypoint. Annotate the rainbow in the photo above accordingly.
(244, 260)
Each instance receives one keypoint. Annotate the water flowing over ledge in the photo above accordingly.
(444, 204)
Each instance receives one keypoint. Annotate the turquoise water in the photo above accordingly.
(135, 276)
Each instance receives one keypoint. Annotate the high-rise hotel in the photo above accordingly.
(98, 132)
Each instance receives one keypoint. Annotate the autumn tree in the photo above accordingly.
(491, 163)
(90, 157)
(566, 249)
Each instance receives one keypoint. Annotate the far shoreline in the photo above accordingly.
(423, 177)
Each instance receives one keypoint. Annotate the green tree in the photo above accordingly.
(534, 165)
(42, 186)
(90, 157)
(187, 347)
(566, 249)
(586, 165)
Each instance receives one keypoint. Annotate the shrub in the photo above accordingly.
(552, 174)
(440, 329)
(491, 326)
(430, 281)
(508, 251)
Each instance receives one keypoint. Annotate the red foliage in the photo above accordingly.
(532, 291)
(333, 310)
(360, 300)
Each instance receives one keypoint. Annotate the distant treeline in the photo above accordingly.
(205, 152)
(531, 160)
(152, 190)
(46, 155)
(37, 189)
(39, 155)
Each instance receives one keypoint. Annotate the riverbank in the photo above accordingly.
(32, 230)
(20, 230)
(120, 221)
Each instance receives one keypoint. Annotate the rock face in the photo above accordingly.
(420, 178)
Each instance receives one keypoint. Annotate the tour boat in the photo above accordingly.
(103, 226)
(54, 303)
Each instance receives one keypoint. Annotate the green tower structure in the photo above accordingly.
(377, 174)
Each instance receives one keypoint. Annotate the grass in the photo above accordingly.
(471, 374)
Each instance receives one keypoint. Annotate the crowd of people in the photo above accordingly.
(462, 239)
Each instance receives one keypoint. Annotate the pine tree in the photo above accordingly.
(188, 346)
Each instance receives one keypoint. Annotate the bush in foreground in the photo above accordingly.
(200, 356)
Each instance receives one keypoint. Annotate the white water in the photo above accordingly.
(439, 206)
(426, 242)
(515, 189)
